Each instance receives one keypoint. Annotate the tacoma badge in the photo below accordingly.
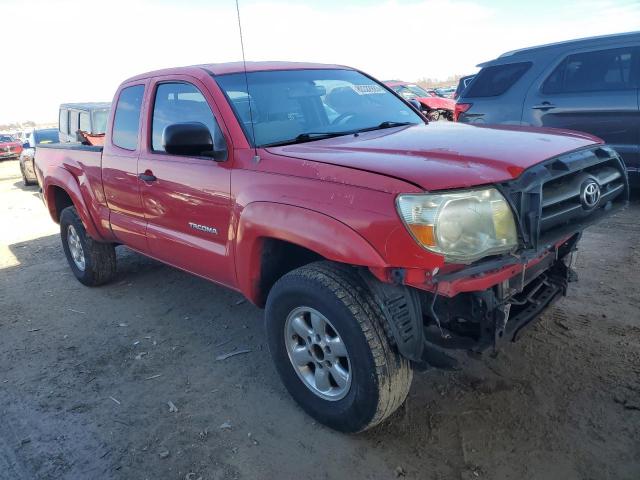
(203, 228)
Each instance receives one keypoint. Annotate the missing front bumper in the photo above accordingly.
(427, 327)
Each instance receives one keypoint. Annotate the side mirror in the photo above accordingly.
(26, 145)
(189, 138)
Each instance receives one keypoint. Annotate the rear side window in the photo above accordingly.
(127, 117)
(602, 70)
(497, 79)
(179, 103)
(64, 120)
(100, 121)
(74, 122)
(85, 124)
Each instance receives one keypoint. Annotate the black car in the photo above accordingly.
(590, 85)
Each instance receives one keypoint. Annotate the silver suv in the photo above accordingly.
(590, 85)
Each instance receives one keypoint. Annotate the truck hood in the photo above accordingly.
(443, 155)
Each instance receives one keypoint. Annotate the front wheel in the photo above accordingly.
(93, 263)
(327, 339)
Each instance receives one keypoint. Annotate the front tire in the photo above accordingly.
(93, 263)
(327, 339)
(434, 115)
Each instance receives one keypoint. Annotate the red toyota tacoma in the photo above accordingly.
(378, 243)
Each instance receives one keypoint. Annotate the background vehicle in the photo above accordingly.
(90, 118)
(376, 242)
(462, 84)
(9, 146)
(445, 92)
(37, 137)
(590, 85)
(433, 106)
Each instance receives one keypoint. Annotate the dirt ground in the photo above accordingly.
(86, 375)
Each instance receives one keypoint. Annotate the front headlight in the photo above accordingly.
(463, 226)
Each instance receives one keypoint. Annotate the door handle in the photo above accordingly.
(147, 176)
(544, 106)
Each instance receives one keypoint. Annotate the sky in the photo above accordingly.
(57, 51)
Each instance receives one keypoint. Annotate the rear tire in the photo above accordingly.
(379, 378)
(25, 181)
(93, 263)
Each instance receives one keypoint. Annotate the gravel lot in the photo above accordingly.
(86, 376)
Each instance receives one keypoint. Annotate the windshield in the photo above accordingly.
(6, 138)
(99, 121)
(418, 90)
(287, 104)
(50, 135)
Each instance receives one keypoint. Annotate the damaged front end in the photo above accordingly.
(427, 326)
(480, 307)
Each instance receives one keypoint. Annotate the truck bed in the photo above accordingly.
(75, 169)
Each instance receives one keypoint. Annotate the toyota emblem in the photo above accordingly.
(590, 195)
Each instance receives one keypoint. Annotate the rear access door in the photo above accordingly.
(593, 91)
(120, 169)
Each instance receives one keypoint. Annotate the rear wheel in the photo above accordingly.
(327, 339)
(25, 180)
(93, 263)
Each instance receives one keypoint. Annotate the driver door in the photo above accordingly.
(186, 199)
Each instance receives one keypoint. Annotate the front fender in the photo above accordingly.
(310, 229)
(63, 179)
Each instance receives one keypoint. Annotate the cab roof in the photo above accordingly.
(87, 106)
(237, 67)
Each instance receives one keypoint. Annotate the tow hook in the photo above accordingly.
(501, 319)
(572, 275)
(501, 315)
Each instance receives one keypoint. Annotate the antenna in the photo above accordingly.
(256, 157)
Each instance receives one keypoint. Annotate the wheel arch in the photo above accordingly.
(64, 192)
(273, 239)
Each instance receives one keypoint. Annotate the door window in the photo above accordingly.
(127, 117)
(179, 103)
(602, 70)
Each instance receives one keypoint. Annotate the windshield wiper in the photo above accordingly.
(389, 124)
(310, 136)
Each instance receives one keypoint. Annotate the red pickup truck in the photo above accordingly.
(377, 242)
